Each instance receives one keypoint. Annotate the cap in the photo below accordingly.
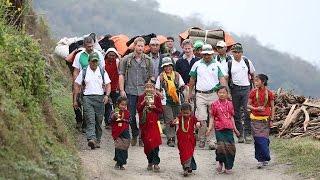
(154, 41)
(221, 44)
(207, 49)
(166, 61)
(237, 47)
(94, 56)
(198, 44)
(113, 50)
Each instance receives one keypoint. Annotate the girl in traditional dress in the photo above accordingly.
(261, 103)
(120, 132)
(187, 123)
(149, 108)
(222, 119)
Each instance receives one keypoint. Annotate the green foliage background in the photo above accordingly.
(36, 133)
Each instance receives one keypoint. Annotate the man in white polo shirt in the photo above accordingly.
(240, 72)
(206, 75)
(96, 84)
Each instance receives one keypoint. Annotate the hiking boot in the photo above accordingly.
(134, 141)
(170, 142)
(150, 167)
(92, 143)
(248, 139)
(156, 168)
(240, 139)
(202, 144)
(83, 130)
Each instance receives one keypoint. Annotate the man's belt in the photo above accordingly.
(205, 92)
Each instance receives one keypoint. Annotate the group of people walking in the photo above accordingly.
(202, 94)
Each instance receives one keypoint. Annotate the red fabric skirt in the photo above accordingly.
(186, 145)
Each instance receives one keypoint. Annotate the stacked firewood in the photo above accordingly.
(296, 116)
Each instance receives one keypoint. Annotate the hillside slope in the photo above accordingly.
(36, 134)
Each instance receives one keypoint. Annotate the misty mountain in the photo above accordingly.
(77, 17)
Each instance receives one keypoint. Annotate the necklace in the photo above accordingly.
(225, 113)
(119, 116)
(182, 125)
(266, 97)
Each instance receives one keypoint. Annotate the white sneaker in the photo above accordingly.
(260, 165)
(265, 163)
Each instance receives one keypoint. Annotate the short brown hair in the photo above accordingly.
(139, 39)
(187, 42)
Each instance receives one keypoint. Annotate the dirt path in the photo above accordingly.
(98, 164)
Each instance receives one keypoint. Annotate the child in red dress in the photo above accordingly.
(120, 132)
(149, 108)
(186, 138)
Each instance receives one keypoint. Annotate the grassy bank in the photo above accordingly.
(36, 118)
(303, 154)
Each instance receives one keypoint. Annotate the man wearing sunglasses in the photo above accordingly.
(222, 55)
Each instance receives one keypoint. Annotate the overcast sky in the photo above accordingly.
(287, 25)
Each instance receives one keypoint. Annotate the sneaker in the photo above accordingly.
(240, 139)
(150, 167)
(134, 141)
(265, 163)
(156, 168)
(259, 165)
(92, 143)
(122, 168)
(248, 139)
(202, 144)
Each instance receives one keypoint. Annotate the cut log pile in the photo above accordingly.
(296, 116)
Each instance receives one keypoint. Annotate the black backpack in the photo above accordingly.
(246, 60)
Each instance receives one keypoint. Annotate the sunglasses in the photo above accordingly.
(236, 52)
